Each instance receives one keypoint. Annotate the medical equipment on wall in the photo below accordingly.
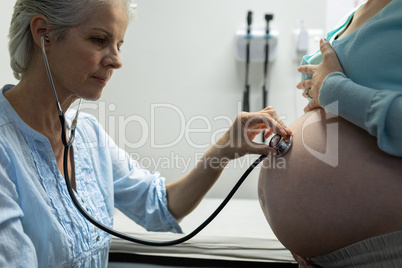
(256, 44)
(278, 144)
(246, 94)
(306, 41)
(268, 18)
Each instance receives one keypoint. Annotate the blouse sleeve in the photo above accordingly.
(141, 195)
(138, 193)
(379, 112)
(17, 249)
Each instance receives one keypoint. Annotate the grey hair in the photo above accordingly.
(62, 15)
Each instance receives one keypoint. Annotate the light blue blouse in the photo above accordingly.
(369, 93)
(39, 225)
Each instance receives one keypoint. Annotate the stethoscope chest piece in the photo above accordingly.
(281, 145)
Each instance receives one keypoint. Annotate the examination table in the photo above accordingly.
(238, 237)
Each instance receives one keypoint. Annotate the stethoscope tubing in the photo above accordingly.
(148, 242)
(68, 143)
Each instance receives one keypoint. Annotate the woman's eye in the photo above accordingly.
(98, 40)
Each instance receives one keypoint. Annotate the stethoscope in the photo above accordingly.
(281, 146)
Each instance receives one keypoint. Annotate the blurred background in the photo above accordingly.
(182, 81)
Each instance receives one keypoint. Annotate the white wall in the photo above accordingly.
(182, 53)
(6, 76)
(335, 9)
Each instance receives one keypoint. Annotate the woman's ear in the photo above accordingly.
(40, 27)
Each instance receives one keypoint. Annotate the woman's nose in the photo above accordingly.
(112, 59)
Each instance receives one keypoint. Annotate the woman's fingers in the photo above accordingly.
(270, 110)
(260, 148)
(330, 59)
(307, 69)
(326, 50)
(304, 84)
(268, 133)
(312, 105)
(247, 126)
(270, 120)
(303, 262)
(329, 64)
(308, 93)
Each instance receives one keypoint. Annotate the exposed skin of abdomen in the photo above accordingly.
(334, 187)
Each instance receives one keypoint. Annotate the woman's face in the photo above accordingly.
(83, 60)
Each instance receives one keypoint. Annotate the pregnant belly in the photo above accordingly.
(332, 189)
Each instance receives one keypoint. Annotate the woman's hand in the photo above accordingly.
(238, 140)
(184, 195)
(303, 262)
(329, 64)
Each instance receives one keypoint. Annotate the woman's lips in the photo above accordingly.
(100, 79)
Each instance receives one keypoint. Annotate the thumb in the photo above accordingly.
(259, 148)
(325, 47)
(311, 106)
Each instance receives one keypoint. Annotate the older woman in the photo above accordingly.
(338, 202)
(39, 224)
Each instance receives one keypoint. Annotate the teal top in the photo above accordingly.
(369, 93)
